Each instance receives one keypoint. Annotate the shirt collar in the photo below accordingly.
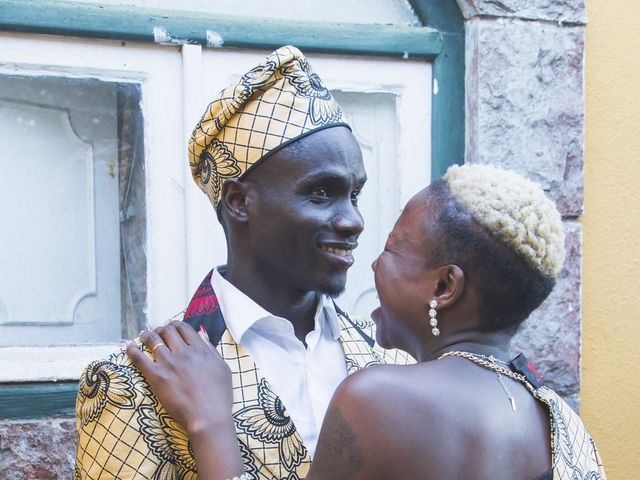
(241, 313)
(326, 304)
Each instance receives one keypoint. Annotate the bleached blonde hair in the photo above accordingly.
(514, 210)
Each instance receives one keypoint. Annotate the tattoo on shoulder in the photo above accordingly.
(338, 454)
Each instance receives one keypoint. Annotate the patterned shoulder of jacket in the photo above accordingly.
(391, 356)
(573, 451)
(123, 431)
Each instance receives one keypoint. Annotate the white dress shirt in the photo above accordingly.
(304, 378)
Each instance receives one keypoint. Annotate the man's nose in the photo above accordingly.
(349, 220)
(374, 264)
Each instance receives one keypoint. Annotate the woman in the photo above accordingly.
(468, 260)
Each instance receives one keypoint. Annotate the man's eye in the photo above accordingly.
(321, 192)
(354, 195)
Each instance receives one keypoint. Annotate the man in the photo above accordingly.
(283, 171)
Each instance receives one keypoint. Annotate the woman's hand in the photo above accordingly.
(193, 384)
(188, 376)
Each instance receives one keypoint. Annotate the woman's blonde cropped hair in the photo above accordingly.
(514, 210)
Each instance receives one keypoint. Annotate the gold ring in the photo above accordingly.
(153, 349)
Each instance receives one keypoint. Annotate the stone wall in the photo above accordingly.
(525, 112)
(37, 450)
(564, 11)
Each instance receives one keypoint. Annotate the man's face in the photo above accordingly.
(303, 206)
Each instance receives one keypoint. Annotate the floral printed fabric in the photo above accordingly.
(574, 455)
(278, 101)
(125, 433)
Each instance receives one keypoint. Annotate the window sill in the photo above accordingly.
(38, 382)
(51, 363)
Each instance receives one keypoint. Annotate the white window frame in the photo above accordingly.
(158, 70)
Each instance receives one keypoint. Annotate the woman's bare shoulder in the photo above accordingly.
(368, 408)
(383, 391)
(375, 381)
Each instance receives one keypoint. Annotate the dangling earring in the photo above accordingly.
(433, 321)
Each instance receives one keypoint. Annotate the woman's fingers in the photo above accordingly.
(154, 343)
(170, 336)
(174, 337)
(186, 331)
(139, 359)
(182, 361)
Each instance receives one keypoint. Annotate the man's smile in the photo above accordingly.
(338, 251)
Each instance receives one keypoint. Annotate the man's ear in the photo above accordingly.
(234, 199)
(450, 283)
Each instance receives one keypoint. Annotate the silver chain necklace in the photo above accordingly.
(491, 363)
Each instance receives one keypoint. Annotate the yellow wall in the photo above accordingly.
(611, 363)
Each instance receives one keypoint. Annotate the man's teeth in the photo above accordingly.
(337, 251)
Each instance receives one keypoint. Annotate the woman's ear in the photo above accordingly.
(450, 283)
(234, 199)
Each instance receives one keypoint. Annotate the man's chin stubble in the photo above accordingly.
(332, 291)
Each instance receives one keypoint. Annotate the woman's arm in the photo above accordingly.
(338, 455)
(193, 384)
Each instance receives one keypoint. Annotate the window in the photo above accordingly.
(87, 156)
(72, 186)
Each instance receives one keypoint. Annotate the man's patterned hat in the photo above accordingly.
(278, 101)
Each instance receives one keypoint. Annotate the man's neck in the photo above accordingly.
(297, 306)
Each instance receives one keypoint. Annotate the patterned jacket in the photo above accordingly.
(125, 433)
(574, 455)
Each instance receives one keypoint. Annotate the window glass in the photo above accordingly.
(72, 210)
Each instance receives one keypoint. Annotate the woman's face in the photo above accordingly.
(403, 280)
